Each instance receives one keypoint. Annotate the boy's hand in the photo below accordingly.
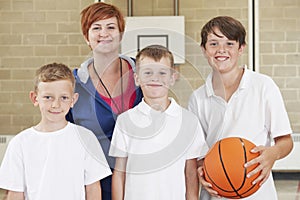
(265, 162)
(268, 155)
(206, 185)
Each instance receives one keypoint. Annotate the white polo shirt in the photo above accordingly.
(256, 111)
(157, 145)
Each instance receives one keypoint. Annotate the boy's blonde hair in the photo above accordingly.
(53, 72)
(156, 52)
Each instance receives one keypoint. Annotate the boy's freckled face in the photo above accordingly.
(155, 77)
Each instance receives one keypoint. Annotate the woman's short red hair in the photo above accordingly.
(99, 11)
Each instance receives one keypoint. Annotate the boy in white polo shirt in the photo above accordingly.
(156, 144)
(235, 101)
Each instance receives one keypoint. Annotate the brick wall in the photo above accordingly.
(33, 33)
(36, 32)
(280, 51)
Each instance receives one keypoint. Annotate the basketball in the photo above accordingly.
(224, 168)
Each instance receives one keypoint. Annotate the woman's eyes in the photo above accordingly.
(111, 27)
(95, 28)
(98, 28)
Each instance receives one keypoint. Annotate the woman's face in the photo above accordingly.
(104, 36)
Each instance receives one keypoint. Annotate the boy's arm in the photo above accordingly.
(93, 191)
(191, 179)
(204, 184)
(268, 155)
(11, 195)
(118, 179)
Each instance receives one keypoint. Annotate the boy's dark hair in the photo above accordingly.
(156, 52)
(230, 27)
(53, 72)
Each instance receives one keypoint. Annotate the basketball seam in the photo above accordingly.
(246, 160)
(245, 171)
(224, 169)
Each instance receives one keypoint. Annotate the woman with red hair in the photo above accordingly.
(105, 81)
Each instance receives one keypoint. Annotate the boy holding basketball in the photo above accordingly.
(156, 144)
(238, 102)
(54, 159)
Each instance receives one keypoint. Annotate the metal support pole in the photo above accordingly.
(253, 35)
(176, 7)
(129, 10)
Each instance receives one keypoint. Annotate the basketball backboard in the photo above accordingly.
(164, 30)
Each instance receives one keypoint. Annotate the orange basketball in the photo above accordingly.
(224, 168)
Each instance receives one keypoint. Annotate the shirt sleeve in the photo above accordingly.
(198, 148)
(118, 146)
(12, 168)
(96, 166)
(277, 120)
(192, 104)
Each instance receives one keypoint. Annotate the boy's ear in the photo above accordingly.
(241, 49)
(74, 100)
(174, 77)
(203, 51)
(33, 98)
(136, 79)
